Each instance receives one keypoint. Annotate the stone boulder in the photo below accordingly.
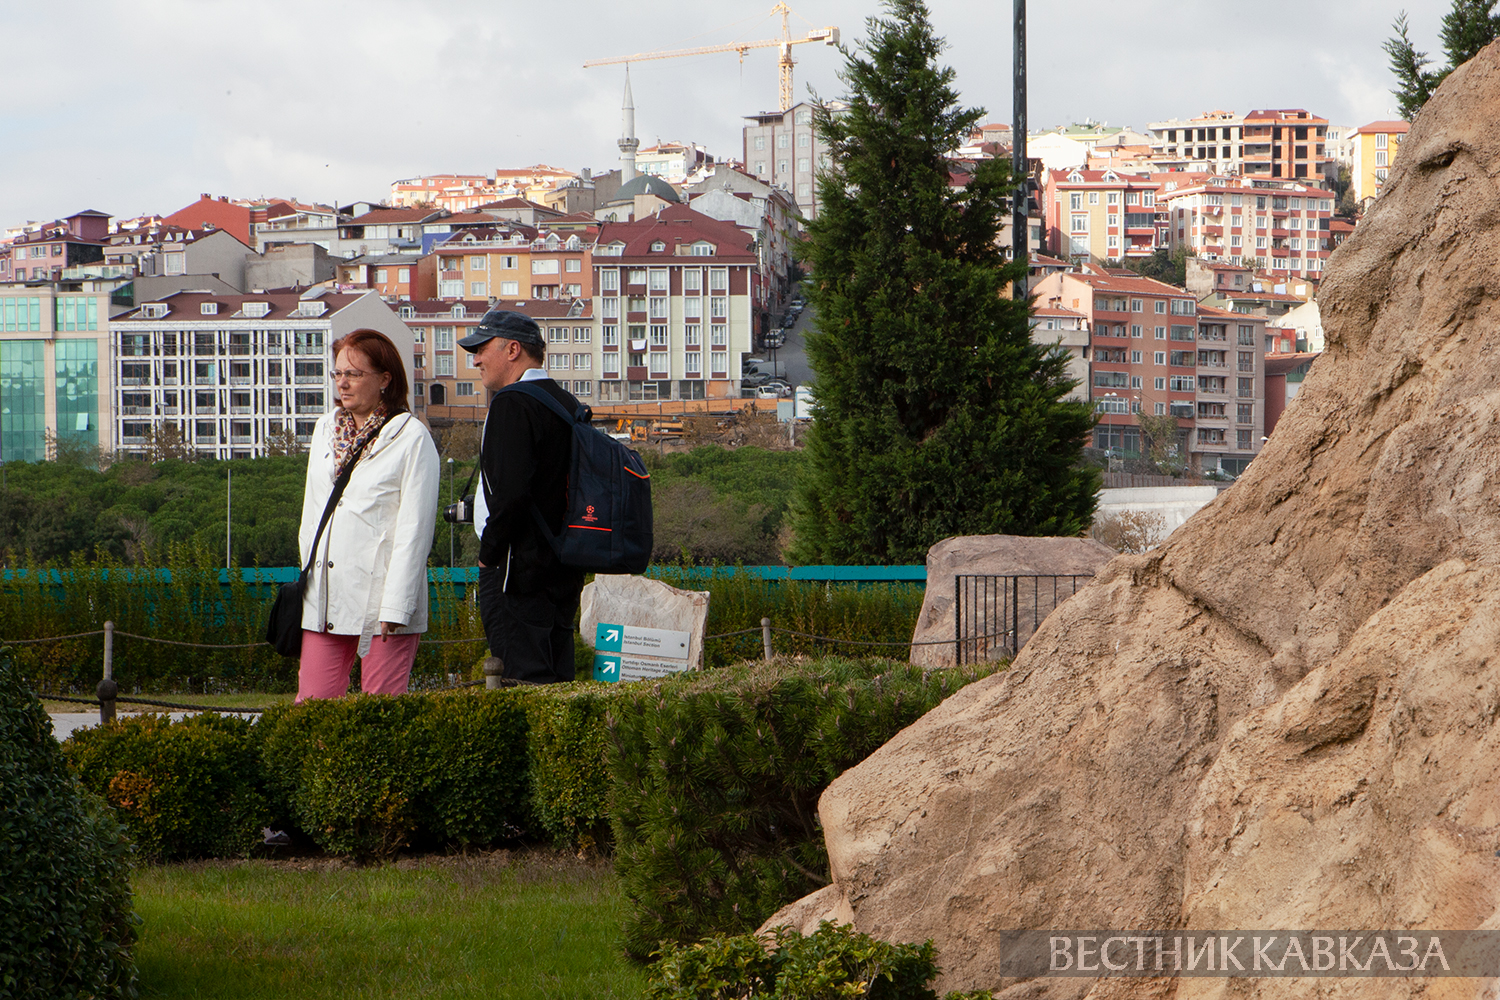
(640, 601)
(994, 555)
(1285, 716)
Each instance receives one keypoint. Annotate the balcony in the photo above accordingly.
(314, 410)
(170, 380)
(206, 380)
(135, 411)
(1216, 232)
(241, 380)
(275, 409)
(1279, 251)
(1211, 364)
(170, 411)
(240, 439)
(242, 410)
(304, 439)
(1216, 417)
(136, 381)
(309, 380)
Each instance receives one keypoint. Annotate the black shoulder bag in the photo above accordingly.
(284, 625)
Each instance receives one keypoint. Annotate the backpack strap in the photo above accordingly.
(536, 392)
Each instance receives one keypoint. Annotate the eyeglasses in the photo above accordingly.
(352, 374)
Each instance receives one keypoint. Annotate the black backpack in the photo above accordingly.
(607, 522)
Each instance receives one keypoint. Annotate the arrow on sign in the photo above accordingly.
(612, 634)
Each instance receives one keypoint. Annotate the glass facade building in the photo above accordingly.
(78, 391)
(23, 401)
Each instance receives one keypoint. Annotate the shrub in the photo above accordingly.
(715, 779)
(565, 750)
(186, 790)
(66, 924)
(833, 961)
(370, 774)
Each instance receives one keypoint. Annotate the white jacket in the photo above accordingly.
(372, 558)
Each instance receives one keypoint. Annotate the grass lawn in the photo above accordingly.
(498, 925)
(250, 699)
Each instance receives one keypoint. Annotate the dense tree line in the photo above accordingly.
(712, 504)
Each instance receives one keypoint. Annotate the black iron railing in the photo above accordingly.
(993, 616)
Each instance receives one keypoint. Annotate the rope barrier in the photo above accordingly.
(154, 704)
(195, 645)
(53, 638)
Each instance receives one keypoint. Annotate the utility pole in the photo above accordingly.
(228, 513)
(1020, 225)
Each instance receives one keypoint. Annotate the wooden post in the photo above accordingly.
(108, 690)
(765, 636)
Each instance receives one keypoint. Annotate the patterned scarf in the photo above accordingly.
(346, 436)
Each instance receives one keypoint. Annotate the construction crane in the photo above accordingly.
(829, 36)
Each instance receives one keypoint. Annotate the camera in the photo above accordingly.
(461, 512)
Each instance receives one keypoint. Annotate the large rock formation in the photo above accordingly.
(1285, 717)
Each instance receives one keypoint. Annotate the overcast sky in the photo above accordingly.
(137, 107)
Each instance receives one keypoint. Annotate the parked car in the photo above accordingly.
(754, 379)
(768, 392)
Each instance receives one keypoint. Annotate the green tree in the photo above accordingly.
(1169, 266)
(1468, 27)
(937, 415)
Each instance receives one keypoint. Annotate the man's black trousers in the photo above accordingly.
(531, 633)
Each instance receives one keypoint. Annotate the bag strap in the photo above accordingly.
(582, 415)
(333, 500)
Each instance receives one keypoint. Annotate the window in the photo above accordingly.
(659, 335)
(477, 290)
(1244, 413)
(557, 335)
(610, 364)
(781, 166)
(450, 289)
(463, 389)
(1161, 307)
(444, 363)
(1093, 197)
(692, 280)
(558, 362)
(1246, 387)
(718, 335)
(403, 274)
(544, 266)
(1136, 331)
(583, 334)
(583, 389)
(760, 142)
(1075, 201)
(609, 279)
(583, 362)
(442, 338)
(1136, 305)
(1161, 358)
(719, 362)
(475, 264)
(510, 289)
(692, 334)
(1135, 357)
(782, 141)
(1080, 224)
(1161, 333)
(609, 335)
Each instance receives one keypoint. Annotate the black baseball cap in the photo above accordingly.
(503, 323)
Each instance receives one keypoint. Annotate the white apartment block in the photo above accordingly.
(1276, 226)
(230, 371)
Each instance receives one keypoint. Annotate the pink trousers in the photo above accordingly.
(326, 659)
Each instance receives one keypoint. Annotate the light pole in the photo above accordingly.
(450, 523)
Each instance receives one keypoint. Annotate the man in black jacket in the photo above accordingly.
(527, 598)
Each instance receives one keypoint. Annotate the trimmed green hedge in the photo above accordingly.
(186, 790)
(66, 924)
(716, 777)
(708, 781)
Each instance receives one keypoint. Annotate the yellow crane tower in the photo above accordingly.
(829, 36)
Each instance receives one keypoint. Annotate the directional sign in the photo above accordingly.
(629, 653)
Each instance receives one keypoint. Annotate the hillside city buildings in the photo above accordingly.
(211, 325)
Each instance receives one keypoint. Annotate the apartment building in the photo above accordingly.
(232, 372)
(1099, 215)
(53, 337)
(1278, 226)
(1210, 143)
(1286, 143)
(1375, 147)
(455, 192)
(673, 162)
(209, 212)
(1152, 349)
(676, 296)
(506, 262)
(1290, 144)
(1066, 330)
(448, 387)
(391, 275)
(168, 258)
(43, 253)
(781, 148)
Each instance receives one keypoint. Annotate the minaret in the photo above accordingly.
(628, 142)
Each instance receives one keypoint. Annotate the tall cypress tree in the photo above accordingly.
(936, 416)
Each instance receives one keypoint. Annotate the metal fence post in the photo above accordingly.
(765, 635)
(958, 621)
(108, 690)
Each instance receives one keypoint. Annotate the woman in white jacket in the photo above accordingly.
(367, 593)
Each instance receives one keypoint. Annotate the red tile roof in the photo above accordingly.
(1129, 286)
(387, 216)
(674, 225)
